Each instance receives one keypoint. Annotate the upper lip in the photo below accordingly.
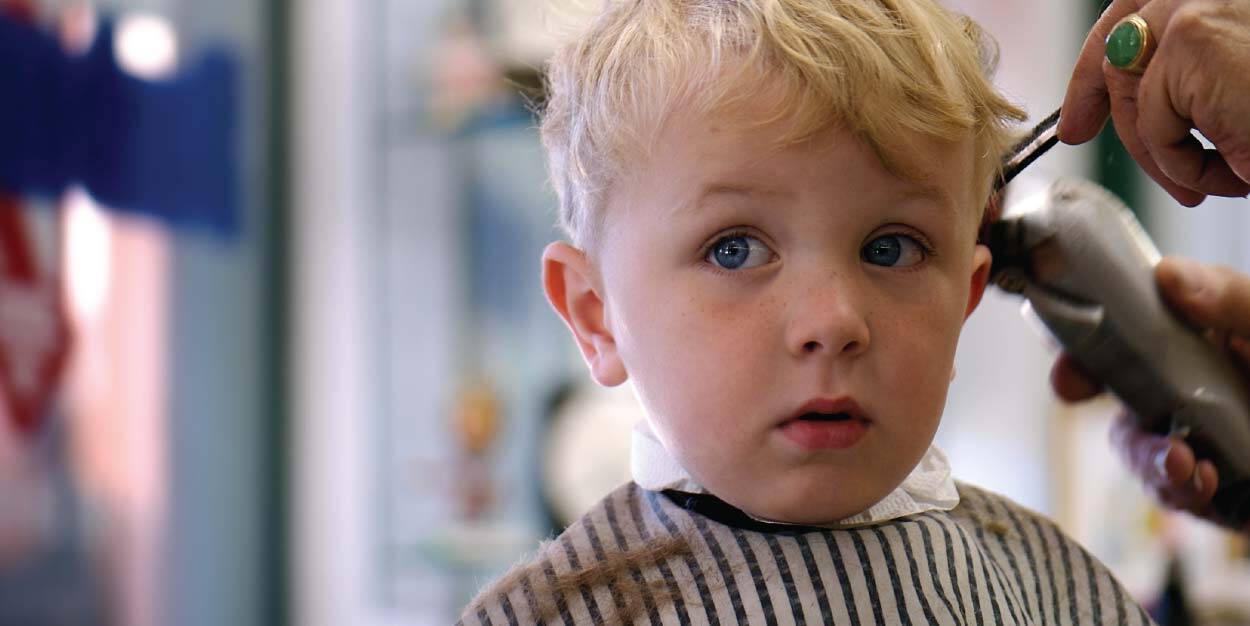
(842, 404)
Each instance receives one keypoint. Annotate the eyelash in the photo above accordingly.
(899, 230)
(711, 244)
(905, 231)
(728, 234)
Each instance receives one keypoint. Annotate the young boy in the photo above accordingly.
(773, 208)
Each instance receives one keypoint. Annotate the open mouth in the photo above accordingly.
(842, 409)
(816, 416)
(826, 424)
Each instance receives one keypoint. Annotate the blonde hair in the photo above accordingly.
(881, 68)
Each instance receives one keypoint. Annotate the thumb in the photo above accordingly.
(1238, 158)
(1229, 135)
(1210, 297)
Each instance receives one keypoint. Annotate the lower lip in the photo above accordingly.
(825, 435)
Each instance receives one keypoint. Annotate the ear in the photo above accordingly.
(574, 291)
(981, 259)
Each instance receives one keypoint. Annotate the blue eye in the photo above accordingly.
(739, 252)
(893, 251)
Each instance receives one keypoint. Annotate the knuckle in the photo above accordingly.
(1232, 139)
(1213, 28)
(1189, 21)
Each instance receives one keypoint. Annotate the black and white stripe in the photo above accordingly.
(988, 561)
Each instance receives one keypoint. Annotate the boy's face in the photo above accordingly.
(741, 286)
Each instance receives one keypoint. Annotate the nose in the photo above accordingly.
(828, 319)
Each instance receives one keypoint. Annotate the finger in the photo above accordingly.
(1164, 125)
(1071, 382)
(1235, 149)
(1193, 493)
(1174, 466)
(1122, 92)
(1240, 347)
(1205, 47)
(1085, 108)
(1209, 481)
(1208, 296)
(1122, 98)
(1156, 459)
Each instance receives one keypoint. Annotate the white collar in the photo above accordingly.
(929, 486)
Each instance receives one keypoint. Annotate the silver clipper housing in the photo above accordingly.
(1086, 267)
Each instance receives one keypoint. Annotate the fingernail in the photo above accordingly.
(1161, 464)
(1197, 479)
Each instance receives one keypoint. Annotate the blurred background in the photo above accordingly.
(273, 348)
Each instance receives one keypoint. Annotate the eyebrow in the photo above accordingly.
(742, 190)
(929, 191)
(913, 190)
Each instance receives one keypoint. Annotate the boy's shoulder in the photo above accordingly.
(614, 543)
(992, 515)
(983, 503)
(1068, 583)
(638, 554)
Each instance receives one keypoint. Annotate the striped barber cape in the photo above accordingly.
(644, 557)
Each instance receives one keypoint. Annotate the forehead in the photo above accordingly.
(714, 159)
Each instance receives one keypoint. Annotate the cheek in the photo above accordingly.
(921, 339)
(692, 359)
(685, 318)
(695, 340)
(913, 382)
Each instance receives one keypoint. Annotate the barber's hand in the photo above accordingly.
(1209, 297)
(1199, 77)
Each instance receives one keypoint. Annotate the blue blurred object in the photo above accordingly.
(164, 149)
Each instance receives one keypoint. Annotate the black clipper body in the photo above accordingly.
(1086, 268)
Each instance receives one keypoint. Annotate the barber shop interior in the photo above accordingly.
(421, 312)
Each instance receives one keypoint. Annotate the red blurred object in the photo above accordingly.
(19, 10)
(34, 331)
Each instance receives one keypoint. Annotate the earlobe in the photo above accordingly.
(573, 291)
(981, 260)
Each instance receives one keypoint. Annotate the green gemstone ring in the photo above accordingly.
(1130, 44)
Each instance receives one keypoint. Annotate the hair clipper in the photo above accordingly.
(1085, 267)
